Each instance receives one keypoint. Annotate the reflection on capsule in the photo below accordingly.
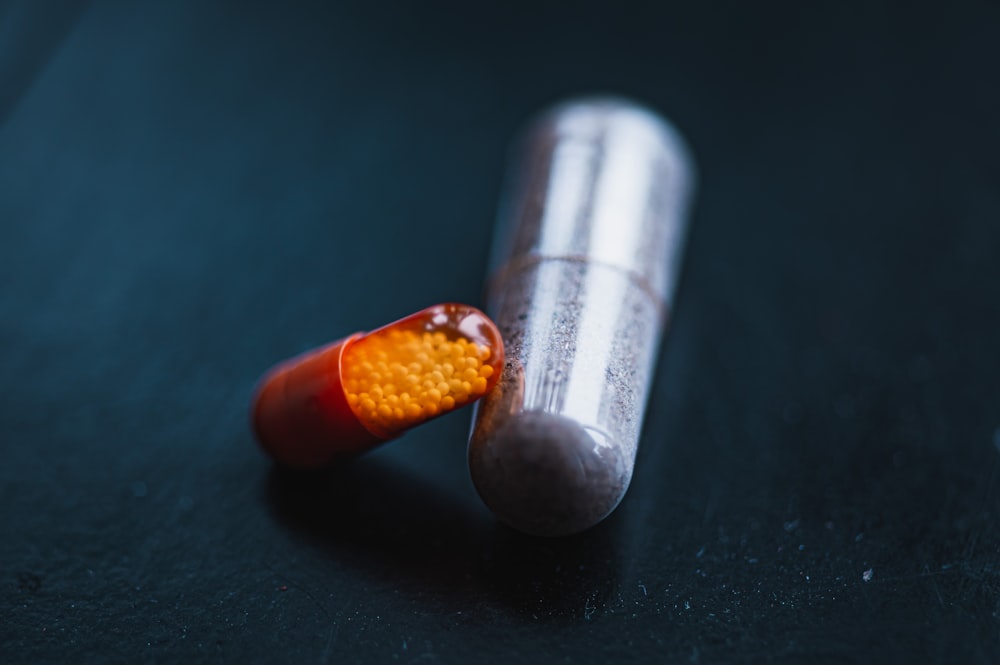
(585, 266)
(349, 396)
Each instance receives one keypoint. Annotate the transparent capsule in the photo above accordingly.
(585, 261)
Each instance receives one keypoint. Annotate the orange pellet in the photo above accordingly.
(392, 377)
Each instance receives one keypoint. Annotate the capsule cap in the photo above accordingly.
(301, 415)
(601, 180)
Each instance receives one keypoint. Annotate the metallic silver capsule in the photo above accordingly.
(585, 261)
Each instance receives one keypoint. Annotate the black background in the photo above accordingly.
(191, 191)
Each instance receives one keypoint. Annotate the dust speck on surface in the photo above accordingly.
(868, 574)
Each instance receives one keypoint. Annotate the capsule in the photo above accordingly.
(345, 398)
(586, 257)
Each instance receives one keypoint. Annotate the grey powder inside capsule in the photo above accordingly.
(586, 258)
(564, 464)
(544, 474)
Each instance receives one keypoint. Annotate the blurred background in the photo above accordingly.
(191, 191)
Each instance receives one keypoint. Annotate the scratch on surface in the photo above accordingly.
(588, 610)
(643, 587)
(974, 541)
(946, 569)
(330, 641)
(296, 585)
(934, 584)
(335, 631)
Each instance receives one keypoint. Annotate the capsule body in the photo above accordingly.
(342, 399)
(587, 252)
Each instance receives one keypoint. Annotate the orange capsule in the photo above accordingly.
(347, 397)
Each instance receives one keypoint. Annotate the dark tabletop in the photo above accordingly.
(191, 191)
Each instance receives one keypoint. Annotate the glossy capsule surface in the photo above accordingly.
(586, 258)
(347, 397)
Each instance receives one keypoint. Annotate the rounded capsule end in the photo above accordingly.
(300, 414)
(546, 475)
(587, 118)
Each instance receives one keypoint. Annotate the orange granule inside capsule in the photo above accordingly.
(395, 379)
(344, 398)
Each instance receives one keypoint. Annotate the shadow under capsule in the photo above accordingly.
(394, 526)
